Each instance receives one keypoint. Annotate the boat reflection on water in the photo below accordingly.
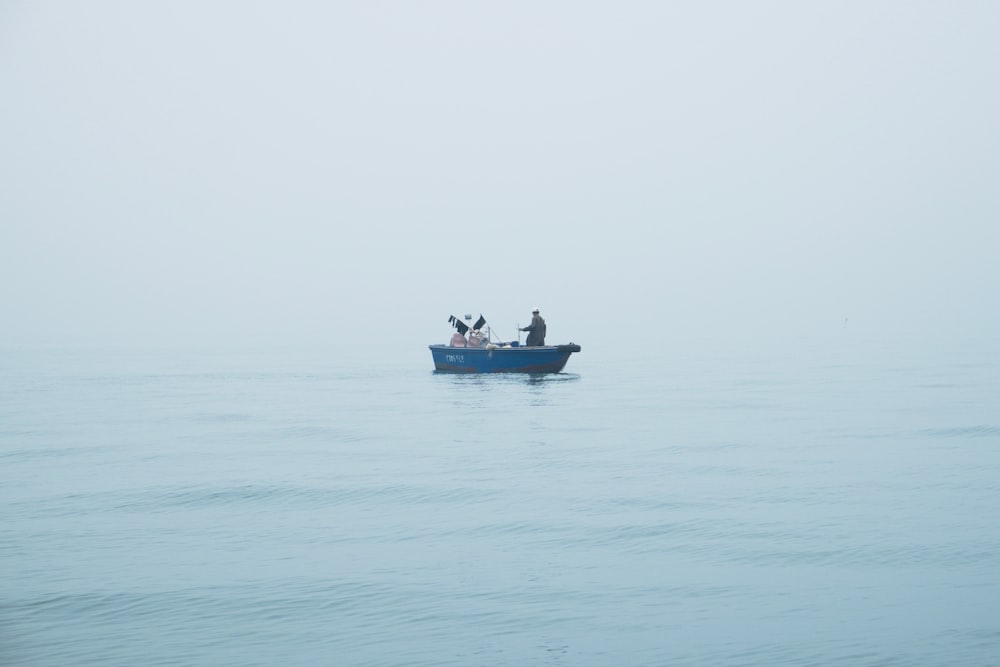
(495, 379)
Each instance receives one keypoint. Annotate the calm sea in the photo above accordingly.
(818, 505)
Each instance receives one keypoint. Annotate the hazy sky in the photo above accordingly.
(296, 172)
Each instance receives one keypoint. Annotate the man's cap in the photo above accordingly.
(535, 309)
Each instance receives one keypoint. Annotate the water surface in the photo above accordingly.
(815, 506)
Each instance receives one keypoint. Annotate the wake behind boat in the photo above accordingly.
(479, 353)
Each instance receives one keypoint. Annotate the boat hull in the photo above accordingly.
(545, 359)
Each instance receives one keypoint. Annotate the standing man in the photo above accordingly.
(536, 330)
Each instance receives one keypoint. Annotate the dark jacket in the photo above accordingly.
(536, 331)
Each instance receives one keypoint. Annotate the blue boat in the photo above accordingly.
(493, 358)
(477, 353)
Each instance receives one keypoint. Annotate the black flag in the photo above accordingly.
(459, 324)
(480, 323)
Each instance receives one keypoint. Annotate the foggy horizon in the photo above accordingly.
(303, 174)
